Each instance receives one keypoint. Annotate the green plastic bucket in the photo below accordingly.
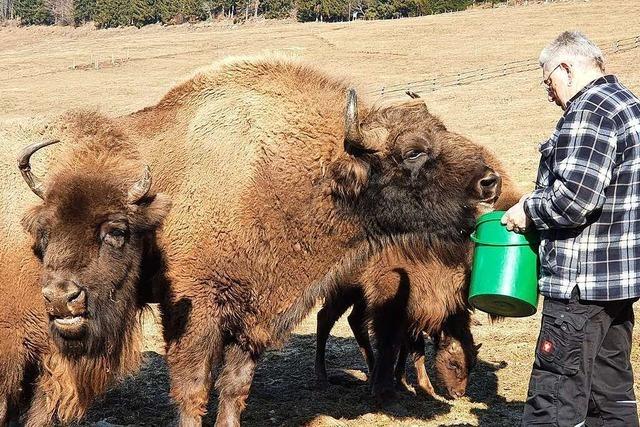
(504, 275)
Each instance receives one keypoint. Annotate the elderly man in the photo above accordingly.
(586, 209)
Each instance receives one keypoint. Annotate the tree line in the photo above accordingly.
(115, 13)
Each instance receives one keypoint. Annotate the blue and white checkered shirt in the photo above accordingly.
(586, 205)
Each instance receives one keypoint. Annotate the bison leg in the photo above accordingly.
(191, 358)
(233, 385)
(39, 414)
(388, 341)
(418, 357)
(358, 323)
(333, 308)
(4, 411)
(400, 372)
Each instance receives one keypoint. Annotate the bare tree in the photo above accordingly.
(61, 10)
(6, 11)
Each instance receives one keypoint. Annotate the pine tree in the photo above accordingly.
(275, 9)
(32, 12)
(83, 11)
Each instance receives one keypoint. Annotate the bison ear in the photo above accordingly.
(348, 178)
(31, 220)
(443, 340)
(151, 211)
(33, 223)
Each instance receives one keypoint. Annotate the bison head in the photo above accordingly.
(91, 233)
(456, 355)
(404, 172)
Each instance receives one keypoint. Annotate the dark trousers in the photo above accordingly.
(582, 373)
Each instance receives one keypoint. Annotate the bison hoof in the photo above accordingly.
(404, 387)
(427, 392)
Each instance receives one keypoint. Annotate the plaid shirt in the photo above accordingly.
(586, 205)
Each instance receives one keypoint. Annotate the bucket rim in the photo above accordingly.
(533, 242)
(490, 216)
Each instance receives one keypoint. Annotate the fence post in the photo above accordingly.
(382, 91)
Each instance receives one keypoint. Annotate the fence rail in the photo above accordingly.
(481, 74)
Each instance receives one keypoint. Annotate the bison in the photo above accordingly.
(287, 190)
(93, 234)
(405, 296)
(455, 352)
(283, 185)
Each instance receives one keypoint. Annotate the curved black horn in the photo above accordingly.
(353, 134)
(141, 187)
(25, 167)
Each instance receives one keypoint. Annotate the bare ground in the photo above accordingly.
(45, 71)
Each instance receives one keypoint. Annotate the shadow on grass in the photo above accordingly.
(284, 392)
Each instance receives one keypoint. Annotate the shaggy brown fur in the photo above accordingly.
(447, 282)
(273, 205)
(275, 201)
(56, 370)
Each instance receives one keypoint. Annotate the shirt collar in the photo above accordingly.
(597, 82)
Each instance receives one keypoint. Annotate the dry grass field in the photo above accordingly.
(509, 114)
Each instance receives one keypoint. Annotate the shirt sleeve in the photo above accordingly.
(584, 159)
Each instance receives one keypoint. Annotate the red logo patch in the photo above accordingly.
(546, 347)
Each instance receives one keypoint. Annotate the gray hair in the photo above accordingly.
(572, 45)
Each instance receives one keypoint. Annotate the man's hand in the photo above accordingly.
(515, 219)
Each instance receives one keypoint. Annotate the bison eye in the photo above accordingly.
(413, 154)
(114, 235)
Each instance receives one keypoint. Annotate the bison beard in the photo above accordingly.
(93, 234)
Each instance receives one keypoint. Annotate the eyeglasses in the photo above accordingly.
(547, 82)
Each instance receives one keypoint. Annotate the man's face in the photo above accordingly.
(555, 80)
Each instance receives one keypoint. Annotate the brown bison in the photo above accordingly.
(283, 186)
(426, 292)
(286, 192)
(93, 234)
(455, 352)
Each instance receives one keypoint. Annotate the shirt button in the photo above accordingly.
(563, 327)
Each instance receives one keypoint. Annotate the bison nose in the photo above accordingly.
(64, 297)
(457, 394)
(489, 186)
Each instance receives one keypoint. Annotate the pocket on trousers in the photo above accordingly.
(561, 339)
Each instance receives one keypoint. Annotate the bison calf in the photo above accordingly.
(455, 353)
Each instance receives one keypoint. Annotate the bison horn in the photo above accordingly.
(25, 166)
(412, 94)
(141, 187)
(352, 133)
